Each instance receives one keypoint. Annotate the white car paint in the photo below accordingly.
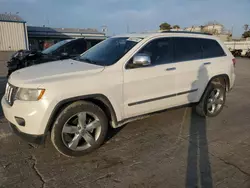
(122, 87)
(47, 72)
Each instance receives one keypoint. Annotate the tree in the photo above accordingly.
(176, 27)
(246, 26)
(165, 26)
(246, 34)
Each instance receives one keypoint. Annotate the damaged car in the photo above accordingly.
(65, 49)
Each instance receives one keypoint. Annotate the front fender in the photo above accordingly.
(60, 105)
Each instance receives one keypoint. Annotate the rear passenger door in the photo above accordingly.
(190, 68)
(214, 59)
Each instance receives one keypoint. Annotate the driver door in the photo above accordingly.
(151, 88)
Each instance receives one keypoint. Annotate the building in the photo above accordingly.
(193, 29)
(210, 28)
(43, 37)
(213, 28)
(13, 33)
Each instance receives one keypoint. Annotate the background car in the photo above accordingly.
(247, 53)
(236, 52)
(65, 49)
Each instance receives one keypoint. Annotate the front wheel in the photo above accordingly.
(213, 100)
(79, 129)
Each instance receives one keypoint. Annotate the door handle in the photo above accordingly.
(207, 63)
(171, 69)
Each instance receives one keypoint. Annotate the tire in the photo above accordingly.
(70, 117)
(203, 108)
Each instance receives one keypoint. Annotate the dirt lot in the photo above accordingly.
(175, 148)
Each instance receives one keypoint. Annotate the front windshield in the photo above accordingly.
(54, 47)
(109, 51)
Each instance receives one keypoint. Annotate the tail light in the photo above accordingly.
(234, 61)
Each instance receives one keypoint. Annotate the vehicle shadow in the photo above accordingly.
(112, 132)
(198, 172)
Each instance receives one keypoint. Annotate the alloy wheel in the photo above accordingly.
(215, 101)
(81, 131)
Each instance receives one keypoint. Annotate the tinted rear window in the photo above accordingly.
(211, 48)
(187, 49)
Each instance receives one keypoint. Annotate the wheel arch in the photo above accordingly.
(222, 78)
(98, 99)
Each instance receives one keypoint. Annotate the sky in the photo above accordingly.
(121, 16)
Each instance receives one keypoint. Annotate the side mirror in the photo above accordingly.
(141, 60)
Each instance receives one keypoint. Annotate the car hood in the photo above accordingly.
(53, 71)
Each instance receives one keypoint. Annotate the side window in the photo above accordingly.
(187, 49)
(76, 47)
(60, 50)
(91, 43)
(94, 42)
(211, 48)
(159, 50)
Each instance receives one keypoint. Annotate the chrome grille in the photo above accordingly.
(10, 93)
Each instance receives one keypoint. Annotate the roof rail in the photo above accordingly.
(188, 32)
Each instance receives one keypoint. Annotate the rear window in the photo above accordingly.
(187, 49)
(211, 48)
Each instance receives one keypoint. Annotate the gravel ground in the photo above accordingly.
(175, 148)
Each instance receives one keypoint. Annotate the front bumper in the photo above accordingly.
(36, 139)
(35, 114)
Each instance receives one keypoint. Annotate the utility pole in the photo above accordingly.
(232, 30)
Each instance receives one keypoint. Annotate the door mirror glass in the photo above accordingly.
(141, 60)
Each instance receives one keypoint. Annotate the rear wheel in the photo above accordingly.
(79, 129)
(213, 100)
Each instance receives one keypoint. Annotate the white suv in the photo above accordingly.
(117, 81)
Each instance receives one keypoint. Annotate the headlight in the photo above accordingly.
(29, 94)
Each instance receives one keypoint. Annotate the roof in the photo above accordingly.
(40, 32)
(187, 32)
(168, 33)
(62, 30)
(11, 18)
